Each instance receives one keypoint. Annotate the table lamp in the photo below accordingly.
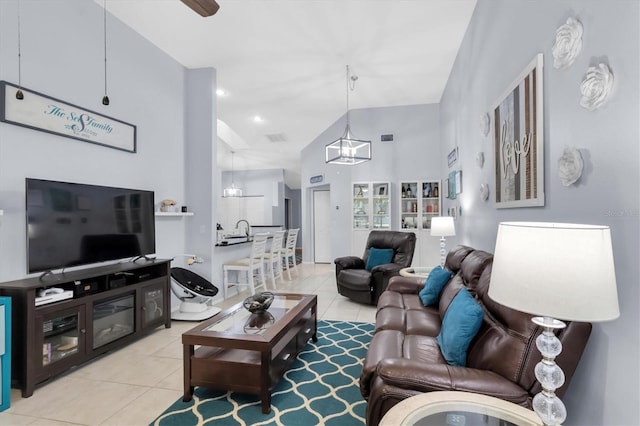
(560, 272)
(442, 226)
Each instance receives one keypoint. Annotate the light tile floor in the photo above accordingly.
(133, 385)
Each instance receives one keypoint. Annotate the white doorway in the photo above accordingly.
(321, 227)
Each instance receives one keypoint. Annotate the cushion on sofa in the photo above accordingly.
(435, 282)
(461, 322)
(378, 257)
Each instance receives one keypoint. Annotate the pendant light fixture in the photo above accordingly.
(348, 150)
(105, 98)
(19, 94)
(232, 191)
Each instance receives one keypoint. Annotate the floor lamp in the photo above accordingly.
(443, 226)
(560, 272)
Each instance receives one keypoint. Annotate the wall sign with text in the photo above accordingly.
(518, 143)
(40, 112)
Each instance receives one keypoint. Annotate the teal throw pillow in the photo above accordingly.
(378, 257)
(433, 285)
(461, 323)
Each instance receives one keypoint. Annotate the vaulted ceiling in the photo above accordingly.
(284, 61)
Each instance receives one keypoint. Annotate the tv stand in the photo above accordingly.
(112, 306)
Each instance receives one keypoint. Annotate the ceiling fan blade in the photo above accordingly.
(203, 7)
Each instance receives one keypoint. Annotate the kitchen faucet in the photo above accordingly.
(248, 226)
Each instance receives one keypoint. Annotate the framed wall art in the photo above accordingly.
(453, 191)
(44, 113)
(452, 157)
(459, 182)
(518, 141)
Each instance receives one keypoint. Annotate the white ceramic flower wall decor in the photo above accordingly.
(596, 86)
(570, 166)
(568, 43)
(484, 191)
(485, 124)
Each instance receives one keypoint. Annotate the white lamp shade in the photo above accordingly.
(563, 271)
(443, 226)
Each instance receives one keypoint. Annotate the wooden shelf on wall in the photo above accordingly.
(174, 214)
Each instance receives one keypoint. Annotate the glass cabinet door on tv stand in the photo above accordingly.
(62, 339)
(153, 304)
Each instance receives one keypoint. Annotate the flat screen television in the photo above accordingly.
(73, 224)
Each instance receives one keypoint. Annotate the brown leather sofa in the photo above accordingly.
(404, 358)
(363, 286)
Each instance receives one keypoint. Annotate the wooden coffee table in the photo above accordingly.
(249, 353)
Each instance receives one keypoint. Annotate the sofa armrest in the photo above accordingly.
(406, 285)
(349, 262)
(380, 276)
(387, 269)
(426, 377)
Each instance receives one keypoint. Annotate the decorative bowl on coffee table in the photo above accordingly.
(258, 302)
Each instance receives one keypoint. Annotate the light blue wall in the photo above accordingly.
(504, 36)
(202, 175)
(294, 197)
(268, 183)
(62, 56)
(414, 155)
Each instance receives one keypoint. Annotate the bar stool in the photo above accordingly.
(289, 251)
(273, 258)
(253, 266)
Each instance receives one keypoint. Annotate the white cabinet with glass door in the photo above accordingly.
(430, 202)
(380, 207)
(371, 209)
(419, 203)
(361, 207)
(409, 205)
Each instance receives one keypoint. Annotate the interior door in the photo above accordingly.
(321, 229)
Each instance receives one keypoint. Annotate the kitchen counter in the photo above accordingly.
(227, 244)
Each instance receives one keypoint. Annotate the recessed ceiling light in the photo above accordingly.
(221, 92)
(258, 119)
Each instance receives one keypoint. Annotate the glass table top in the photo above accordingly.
(453, 408)
(241, 321)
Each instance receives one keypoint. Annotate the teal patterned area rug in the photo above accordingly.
(320, 388)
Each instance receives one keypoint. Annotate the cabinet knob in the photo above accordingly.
(82, 330)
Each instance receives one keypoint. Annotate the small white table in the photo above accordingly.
(458, 409)
(416, 271)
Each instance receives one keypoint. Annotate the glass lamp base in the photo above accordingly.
(442, 251)
(546, 404)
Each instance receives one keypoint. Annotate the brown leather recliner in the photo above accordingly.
(404, 358)
(360, 285)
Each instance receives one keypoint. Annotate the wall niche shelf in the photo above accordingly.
(174, 214)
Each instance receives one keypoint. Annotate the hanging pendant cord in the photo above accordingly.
(104, 6)
(232, 181)
(347, 98)
(19, 51)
